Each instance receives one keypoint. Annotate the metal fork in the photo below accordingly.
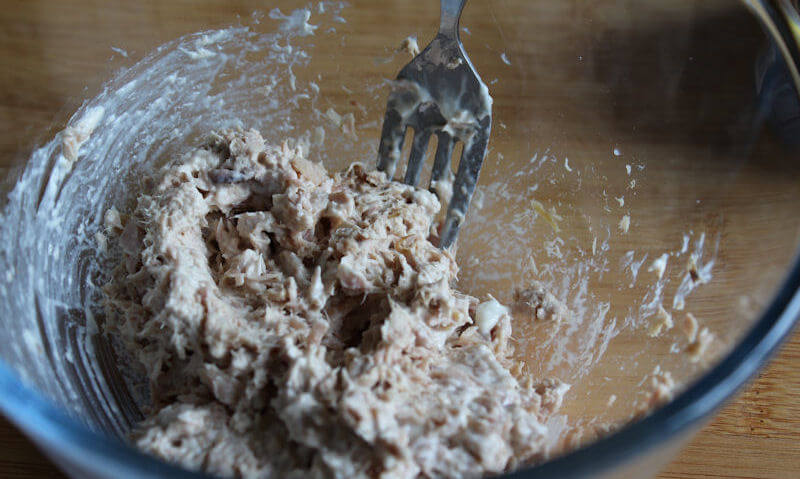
(439, 92)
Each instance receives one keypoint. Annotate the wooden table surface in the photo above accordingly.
(755, 436)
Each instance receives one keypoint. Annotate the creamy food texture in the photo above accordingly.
(296, 323)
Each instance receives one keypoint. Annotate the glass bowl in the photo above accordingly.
(643, 158)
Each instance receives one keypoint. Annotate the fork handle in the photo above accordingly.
(451, 13)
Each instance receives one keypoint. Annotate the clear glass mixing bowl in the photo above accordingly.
(644, 132)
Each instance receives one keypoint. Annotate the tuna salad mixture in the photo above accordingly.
(293, 322)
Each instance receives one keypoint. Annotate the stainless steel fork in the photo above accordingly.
(439, 92)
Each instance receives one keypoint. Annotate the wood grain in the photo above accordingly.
(757, 435)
